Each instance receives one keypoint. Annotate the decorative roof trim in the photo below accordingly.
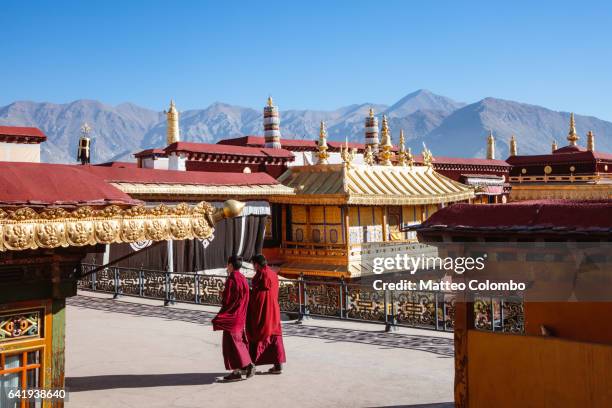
(203, 190)
(25, 228)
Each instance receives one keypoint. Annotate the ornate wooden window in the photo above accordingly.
(25, 347)
(19, 371)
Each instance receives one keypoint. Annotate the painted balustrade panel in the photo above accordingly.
(336, 299)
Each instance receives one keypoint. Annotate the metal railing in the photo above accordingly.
(304, 297)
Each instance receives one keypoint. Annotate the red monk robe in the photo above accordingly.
(263, 323)
(231, 319)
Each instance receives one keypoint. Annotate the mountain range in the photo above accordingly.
(448, 127)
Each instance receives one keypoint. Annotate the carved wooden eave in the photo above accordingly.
(24, 228)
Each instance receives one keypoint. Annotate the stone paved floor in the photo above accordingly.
(136, 353)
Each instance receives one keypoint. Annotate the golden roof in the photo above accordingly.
(370, 185)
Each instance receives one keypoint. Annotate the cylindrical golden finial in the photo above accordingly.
(513, 146)
(322, 154)
(572, 136)
(590, 141)
(371, 112)
(270, 102)
(554, 146)
(490, 146)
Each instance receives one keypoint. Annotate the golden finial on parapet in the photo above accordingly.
(554, 145)
(322, 154)
(513, 146)
(409, 158)
(572, 136)
(590, 141)
(371, 112)
(490, 146)
(401, 154)
(386, 147)
(368, 156)
(347, 155)
(270, 102)
(427, 156)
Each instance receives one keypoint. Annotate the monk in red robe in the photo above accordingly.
(263, 323)
(231, 319)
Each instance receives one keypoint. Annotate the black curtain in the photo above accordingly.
(195, 254)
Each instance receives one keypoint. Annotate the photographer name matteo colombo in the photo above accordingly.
(445, 286)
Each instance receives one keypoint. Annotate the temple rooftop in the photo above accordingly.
(371, 185)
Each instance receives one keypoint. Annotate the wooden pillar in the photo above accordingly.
(385, 227)
(58, 342)
(347, 226)
(308, 237)
(464, 321)
(284, 224)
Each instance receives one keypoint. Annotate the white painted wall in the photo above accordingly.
(20, 152)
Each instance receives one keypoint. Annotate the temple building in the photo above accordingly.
(343, 215)
(569, 172)
(46, 230)
(548, 347)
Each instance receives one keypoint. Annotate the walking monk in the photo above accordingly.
(263, 323)
(231, 319)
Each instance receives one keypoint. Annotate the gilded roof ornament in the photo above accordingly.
(347, 155)
(270, 102)
(554, 145)
(572, 136)
(368, 156)
(427, 156)
(591, 141)
(322, 154)
(490, 146)
(385, 153)
(371, 112)
(85, 130)
(409, 158)
(513, 146)
(401, 156)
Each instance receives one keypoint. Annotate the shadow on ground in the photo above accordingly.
(437, 345)
(107, 382)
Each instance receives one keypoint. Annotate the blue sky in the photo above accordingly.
(307, 54)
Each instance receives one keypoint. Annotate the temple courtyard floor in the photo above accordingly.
(138, 353)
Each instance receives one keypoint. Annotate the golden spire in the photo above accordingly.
(572, 136)
(554, 146)
(513, 147)
(323, 155)
(590, 141)
(172, 123)
(270, 102)
(409, 158)
(371, 112)
(385, 153)
(368, 156)
(401, 154)
(490, 146)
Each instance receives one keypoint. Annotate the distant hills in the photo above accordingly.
(448, 127)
